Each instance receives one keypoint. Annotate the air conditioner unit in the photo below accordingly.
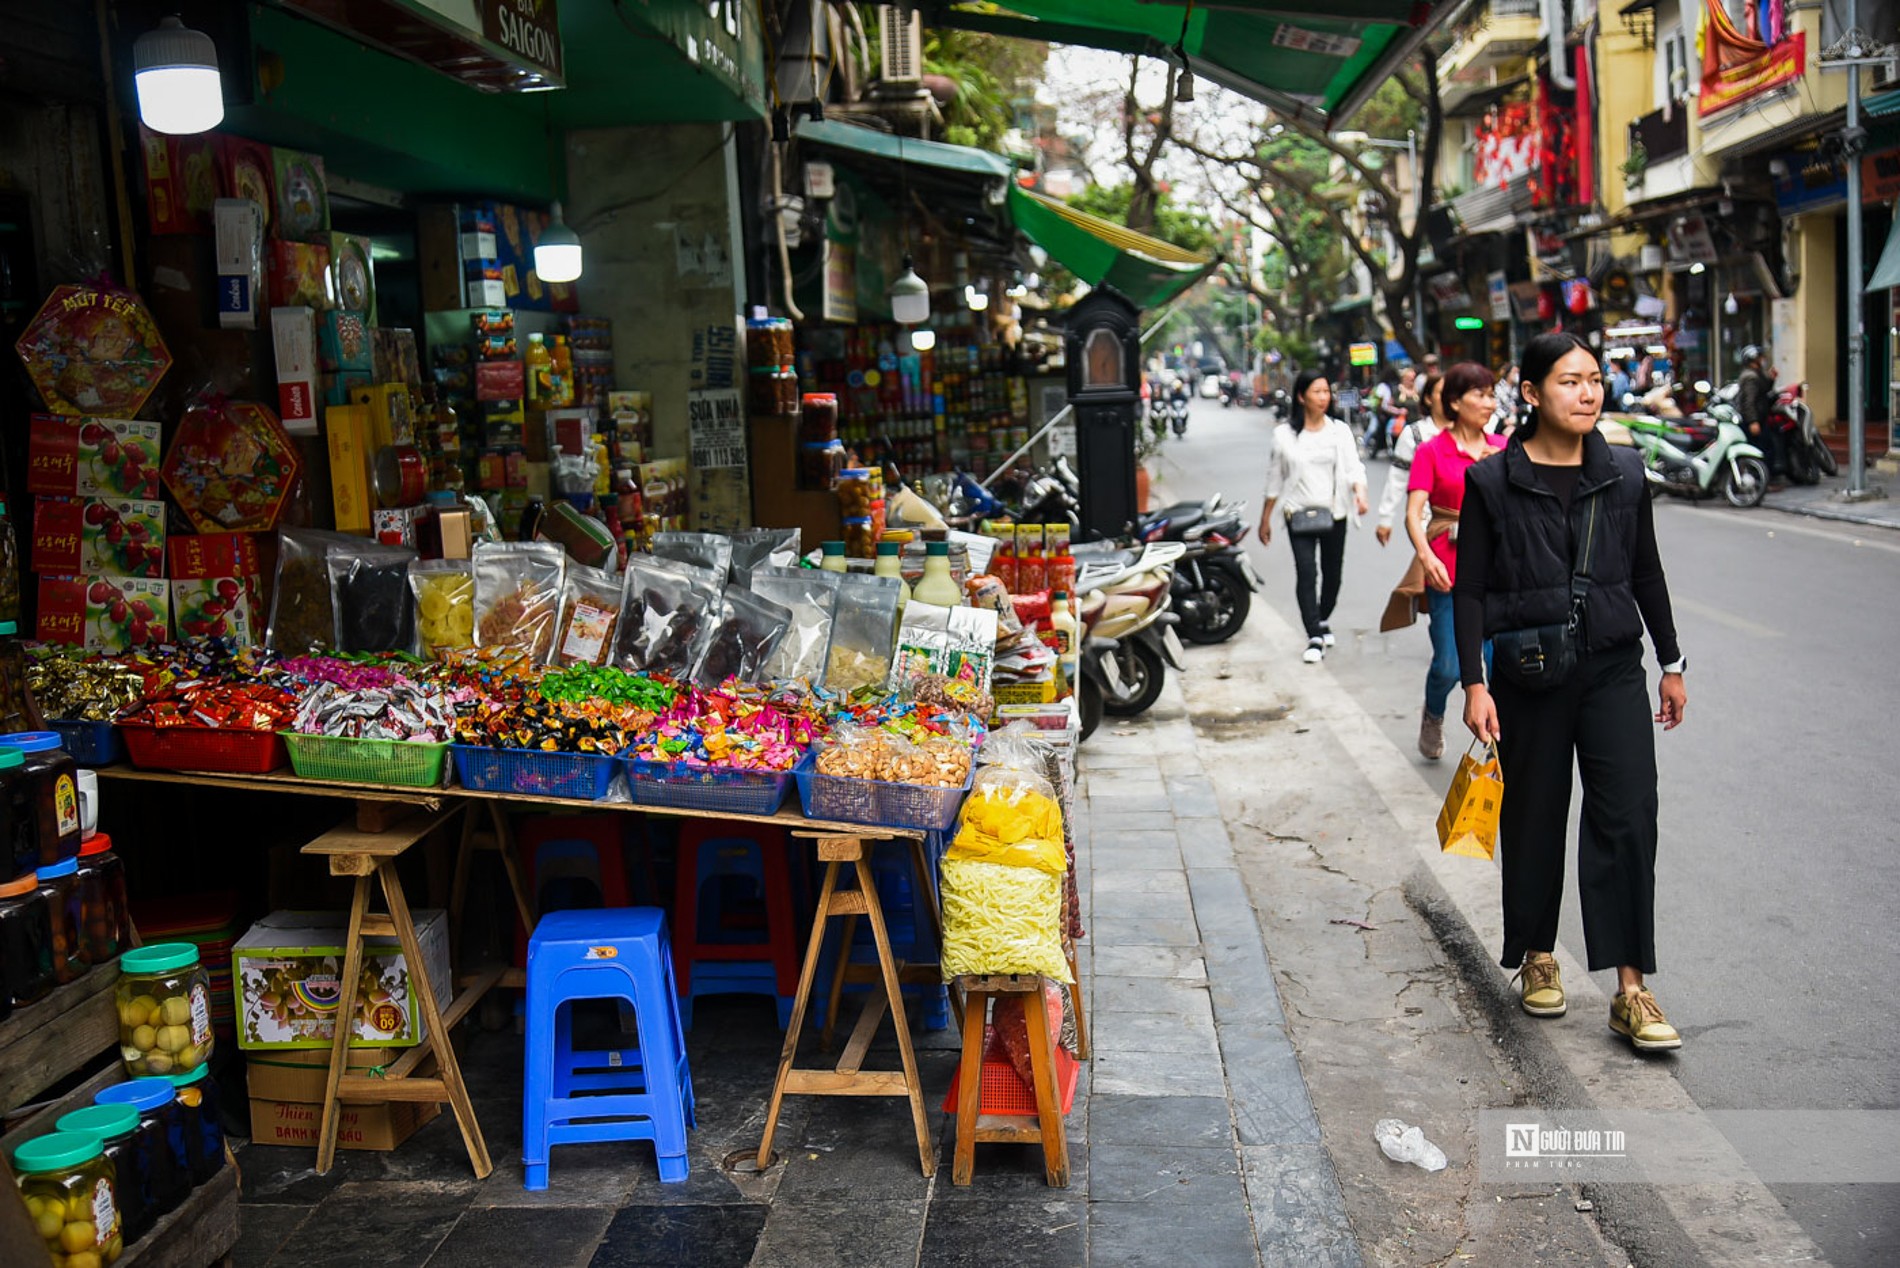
(901, 37)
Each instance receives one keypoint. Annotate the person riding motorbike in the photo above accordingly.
(1755, 395)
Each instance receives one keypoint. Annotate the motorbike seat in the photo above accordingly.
(1148, 591)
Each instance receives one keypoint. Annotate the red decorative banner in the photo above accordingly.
(1736, 67)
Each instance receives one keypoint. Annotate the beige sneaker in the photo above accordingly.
(1543, 986)
(1639, 1018)
(1431, 736)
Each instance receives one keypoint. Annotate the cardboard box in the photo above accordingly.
(213, 559)
(240, 253)
(92, 457)
(218, 607)
(117, 536)
(293, 333)
(390, 417)
(284, 973)
(297, 1076)
(345, 427)
(398, 526)
(299, 274)
(303, 196)
(343, 342)
(181, 180)
(378, 1128)
(103, 613)
(500, 381)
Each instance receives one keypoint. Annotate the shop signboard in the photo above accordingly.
(1880, 176)
(715, 419)
(1363, 354)
(841, 282)
(529, 29)
(1500, 292)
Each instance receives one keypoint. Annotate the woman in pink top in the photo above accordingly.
(1467, 398)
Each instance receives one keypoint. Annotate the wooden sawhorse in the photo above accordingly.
(973, 1126)
(849, 1078)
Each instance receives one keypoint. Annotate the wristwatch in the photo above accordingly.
(1676, 666)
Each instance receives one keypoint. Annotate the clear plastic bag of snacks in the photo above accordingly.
(864, 632)
(302, 615)
(667, 616)
(445, 605)
(590, 615)
(518, 596)
(749, 632)
(369, 590)
(1000, 919)
(803, 654)
(711, 551)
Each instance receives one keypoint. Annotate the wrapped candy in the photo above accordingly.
(225, 706)
(398, 711)
(83, 689)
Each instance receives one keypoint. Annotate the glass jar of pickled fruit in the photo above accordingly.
(69, 1190)
(117, 1127)
(164, 1010)
(102, 899)
(26, 944)
(162, 1131)
(55, 777)
(59, 890)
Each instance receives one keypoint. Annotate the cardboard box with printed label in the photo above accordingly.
(287, 1102)
(294, 340)
(284, 973)
(102, 613)
(92, 457)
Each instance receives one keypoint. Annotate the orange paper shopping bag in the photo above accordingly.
(1468, 822)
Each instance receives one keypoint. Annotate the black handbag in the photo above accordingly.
(1542, 657)
(1310, 522)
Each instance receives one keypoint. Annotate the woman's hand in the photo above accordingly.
(1674, 696)
(1436, 575)
(1383, 533)
(1359, 499)
(1266, 527)
(1481, 713)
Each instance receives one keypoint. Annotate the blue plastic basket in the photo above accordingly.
(679, 786)
(90, 743)
(878, 803)
(580, 776)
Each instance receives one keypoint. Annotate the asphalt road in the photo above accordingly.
(1778, 880)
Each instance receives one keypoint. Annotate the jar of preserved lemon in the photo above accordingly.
(164, 1010)
(70, 1192)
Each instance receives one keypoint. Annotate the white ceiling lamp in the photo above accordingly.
(923, 338)
(977, 298)
(175, 70)
(557, 254)
(910, 297)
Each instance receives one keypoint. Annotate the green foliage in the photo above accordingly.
(1185, 227)
(1392, 109)
(991, 74)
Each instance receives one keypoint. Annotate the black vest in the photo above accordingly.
(1533, 543)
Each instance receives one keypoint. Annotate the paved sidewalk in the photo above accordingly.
(1823, 501)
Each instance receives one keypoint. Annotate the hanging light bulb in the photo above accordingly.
(1184, 87)
(557, 255)
(910, 297)
(1730, 305)
(175, 70)
(923, 338)
(1696, 268)
(978, 300)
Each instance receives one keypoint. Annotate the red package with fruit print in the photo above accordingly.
(92, 457)
(106, 614)
(117, 536)
(216, 607)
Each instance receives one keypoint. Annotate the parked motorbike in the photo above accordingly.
(1807, 456)
(1727, 464)
(1279, 404)
(1230, 392)
(1135, 615)
(1215, 582)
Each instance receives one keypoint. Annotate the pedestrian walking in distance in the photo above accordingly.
(1415, 433)
(1435, 496)
(1313, 478)
(1558, 566)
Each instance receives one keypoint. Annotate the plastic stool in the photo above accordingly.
(719, 949)
(607, 953)
(571, 861)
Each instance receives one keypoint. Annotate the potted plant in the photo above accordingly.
(1635, 165)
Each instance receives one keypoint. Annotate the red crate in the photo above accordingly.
(1004, 1092)
(203, 748)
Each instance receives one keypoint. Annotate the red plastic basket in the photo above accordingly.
(1004, 1092)
(203, 749)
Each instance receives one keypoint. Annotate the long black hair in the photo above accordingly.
(1541, 356)
(1306, 379)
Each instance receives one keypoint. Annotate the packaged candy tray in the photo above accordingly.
(877, 802)
(406, 763)
(580, 776)
(679, 786)
(203, 748)
(90, 743)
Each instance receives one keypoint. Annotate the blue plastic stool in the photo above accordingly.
(617, 953)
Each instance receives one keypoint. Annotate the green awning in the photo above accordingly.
(951, 158)
(1887, 272)
(1320, 63)
(1147, 271)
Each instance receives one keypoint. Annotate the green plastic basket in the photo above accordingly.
(407, 763)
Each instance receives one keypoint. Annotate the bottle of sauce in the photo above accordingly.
(539, 363)
(890, 558)
(1067, 638)
(834, 557)
(938, 586)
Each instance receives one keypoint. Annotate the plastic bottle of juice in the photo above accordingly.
(539, 363)
(937, 585)
(1067, 634)
(834, 558)
(890, 564)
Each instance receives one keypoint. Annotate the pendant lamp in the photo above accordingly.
(910, 297)
(557, 254)
(175, 70)
(923, 338)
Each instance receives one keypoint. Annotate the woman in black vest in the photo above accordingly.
(1557, 563)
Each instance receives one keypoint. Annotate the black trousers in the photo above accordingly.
(1602, 716)
(1313, 555)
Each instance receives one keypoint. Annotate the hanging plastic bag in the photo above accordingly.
(302, 616)
(711, 551)
(369, 591)
(812, 596)
(667, 616)
(1468, 821)
(749, 632)
(864, 633)
(590, 615)
(1011, 816)
(756, 547)
(445, 605)
(518, 596)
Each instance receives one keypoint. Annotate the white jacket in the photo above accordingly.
(1286, 471)
(1411, 436)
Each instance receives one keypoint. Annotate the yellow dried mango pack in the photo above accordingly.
(1010, 819)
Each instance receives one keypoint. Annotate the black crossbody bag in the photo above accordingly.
(1542, 657)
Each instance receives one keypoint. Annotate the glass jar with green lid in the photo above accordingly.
(164, 1010)
(130, 1153)
(162, 1125)
(204, 1137)
(69, 1191)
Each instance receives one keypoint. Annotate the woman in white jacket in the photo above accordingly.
(1415, 433)
(1315, 474)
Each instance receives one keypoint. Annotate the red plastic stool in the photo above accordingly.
(567, 859)
(761, 961)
